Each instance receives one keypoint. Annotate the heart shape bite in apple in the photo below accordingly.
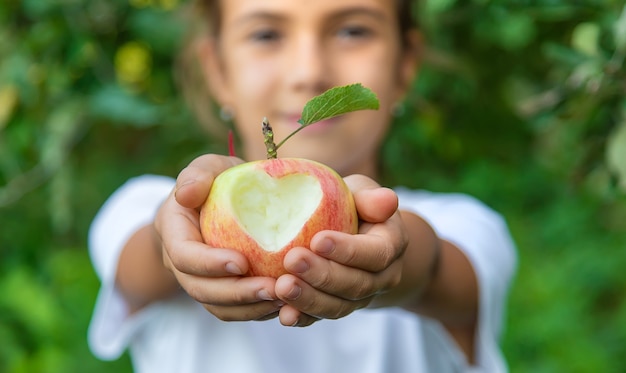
(272, 211)
(265, 208)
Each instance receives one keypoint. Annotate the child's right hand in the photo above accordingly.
(212, 276)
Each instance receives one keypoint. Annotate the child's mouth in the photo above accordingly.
(315, 128)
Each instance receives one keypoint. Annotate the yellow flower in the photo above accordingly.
(133, 63)
(8, 101)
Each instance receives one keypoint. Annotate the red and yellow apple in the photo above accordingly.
(265, 208)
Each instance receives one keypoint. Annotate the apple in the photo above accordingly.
(265, 208)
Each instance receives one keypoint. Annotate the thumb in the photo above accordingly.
(194, 181)
(374, 204)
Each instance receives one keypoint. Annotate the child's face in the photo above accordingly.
(272, 56)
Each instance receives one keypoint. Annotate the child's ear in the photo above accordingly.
(207, 52)
(410, 60)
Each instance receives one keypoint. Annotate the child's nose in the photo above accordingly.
(308, 65)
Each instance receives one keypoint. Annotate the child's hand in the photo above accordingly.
(209, 275)
(342, 272)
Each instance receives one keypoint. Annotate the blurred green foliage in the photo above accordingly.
(520, 103)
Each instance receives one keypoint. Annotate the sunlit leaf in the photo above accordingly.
(21, 293)
(619, 31)
(8, 100)
(516, 31)
(585, 38)
(616, 153)
(337, 101)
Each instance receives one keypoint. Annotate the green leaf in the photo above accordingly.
(337, 101)
(616, 153)
(334, 102)
(124, 107)
(619, 32)
(585, 38)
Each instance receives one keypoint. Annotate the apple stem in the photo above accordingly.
(291, 134)
(268, 135)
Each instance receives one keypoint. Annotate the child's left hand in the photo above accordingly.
(342, 272)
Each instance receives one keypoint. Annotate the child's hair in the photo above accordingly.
(204, 18)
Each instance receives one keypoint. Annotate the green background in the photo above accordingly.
(519, 103)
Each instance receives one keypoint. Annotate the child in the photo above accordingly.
(421, 288)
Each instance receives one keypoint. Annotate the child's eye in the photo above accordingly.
(354, 32)
(265, 36)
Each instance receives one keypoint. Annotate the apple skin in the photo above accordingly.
(220, 226)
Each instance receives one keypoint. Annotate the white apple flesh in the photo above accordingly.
(264, 208)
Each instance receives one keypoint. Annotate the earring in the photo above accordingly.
(397, 109)
(226, 114)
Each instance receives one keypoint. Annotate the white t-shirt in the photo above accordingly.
(180, 336)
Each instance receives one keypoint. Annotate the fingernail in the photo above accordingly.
(179, 187)
(326, 246)
(294, 293)
(300, 267)
(233, 268)
(264, 295)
